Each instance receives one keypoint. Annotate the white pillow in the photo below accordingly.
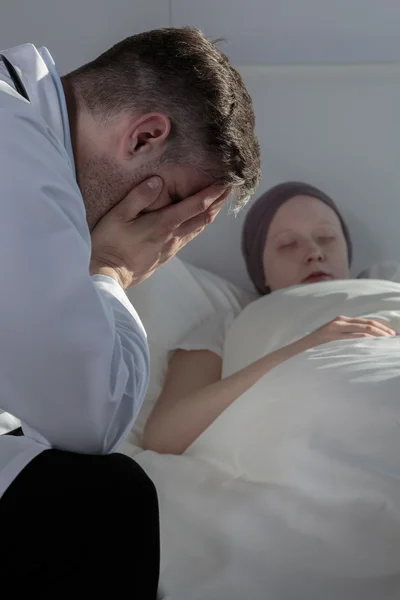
(169, 303)
(388, 269)
(173, 301)
(224, 295)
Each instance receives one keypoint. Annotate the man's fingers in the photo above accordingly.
(184, 234)
(180, 236)
(193, 206)
(138, 199)
(191, 228)
(195, 225)
(216, 206)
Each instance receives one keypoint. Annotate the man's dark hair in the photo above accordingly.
(180, 73)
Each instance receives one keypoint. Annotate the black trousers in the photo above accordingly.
(79, 526)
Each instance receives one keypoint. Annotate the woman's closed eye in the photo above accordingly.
(289, 245)
(326, 239)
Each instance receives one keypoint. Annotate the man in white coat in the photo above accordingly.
(92, 167)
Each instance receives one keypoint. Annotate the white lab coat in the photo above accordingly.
(74, 361)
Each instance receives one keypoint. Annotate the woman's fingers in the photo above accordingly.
(367, 329)
(370, 326)
(362, 335)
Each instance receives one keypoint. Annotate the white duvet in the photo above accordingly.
(294, 492)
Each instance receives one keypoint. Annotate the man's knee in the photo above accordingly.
(127, 475)
(133, 498)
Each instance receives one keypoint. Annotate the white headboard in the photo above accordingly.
(337, 127)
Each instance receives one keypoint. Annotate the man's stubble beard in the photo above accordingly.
(104, 184)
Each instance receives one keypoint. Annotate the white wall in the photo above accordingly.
(259, 31)
(76, 31)
(293, 31)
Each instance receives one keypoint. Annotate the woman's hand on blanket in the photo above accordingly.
(342, 328)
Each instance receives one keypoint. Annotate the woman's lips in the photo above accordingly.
(317, 276)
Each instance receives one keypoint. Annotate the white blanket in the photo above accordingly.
(293, 493)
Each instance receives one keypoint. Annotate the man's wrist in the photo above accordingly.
(97, 269)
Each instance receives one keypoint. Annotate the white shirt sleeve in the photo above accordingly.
(74, 361)
(210, 334)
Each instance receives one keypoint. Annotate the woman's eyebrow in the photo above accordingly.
(281, 232)
(328, 222)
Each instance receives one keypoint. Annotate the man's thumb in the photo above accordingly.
(138, 199)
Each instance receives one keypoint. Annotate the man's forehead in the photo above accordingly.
(187, 182)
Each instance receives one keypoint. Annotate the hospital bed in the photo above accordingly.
(336, 127)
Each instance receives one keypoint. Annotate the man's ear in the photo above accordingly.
(145, 135)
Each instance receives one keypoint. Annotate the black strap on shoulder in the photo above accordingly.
(19, 86)
(15, 432)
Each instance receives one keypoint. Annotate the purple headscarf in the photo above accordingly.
(259, 219)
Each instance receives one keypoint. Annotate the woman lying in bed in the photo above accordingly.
(293, 235)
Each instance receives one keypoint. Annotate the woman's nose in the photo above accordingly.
(314, 254)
